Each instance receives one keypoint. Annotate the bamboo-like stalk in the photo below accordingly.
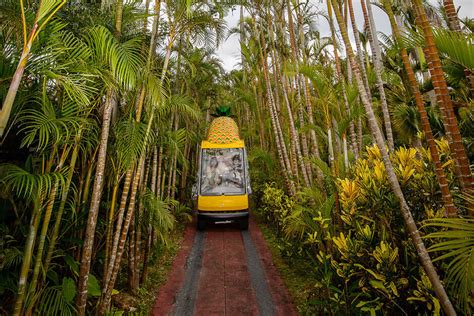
(425, 123)
(110, 103)
(62, 205)
(154, 178)
(462, 168)
(27, 256)
(341, 79)
(360, 55)
(274, 105)
(46, 220)
(115, 260)
(110, 222)
(119, 222)
(377, 61)
(131, 254)
(307, 173)
(81, 299)
(158, 177)
(451, 15)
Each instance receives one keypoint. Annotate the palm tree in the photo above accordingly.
(463, 170)
(443, 183)
(45, 12)
(129, 68)
(377, 61)
(452, 15)
(341, 79)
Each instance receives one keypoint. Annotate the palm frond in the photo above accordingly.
(123, 59)
(54, 302)
(46, 125)
(459, 47)
(130, 138)
(457, 246)
(159, 215)
(28, 185)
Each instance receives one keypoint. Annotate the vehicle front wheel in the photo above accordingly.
(201, 224)
(244, 224)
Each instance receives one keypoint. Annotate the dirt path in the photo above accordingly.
(223, 271)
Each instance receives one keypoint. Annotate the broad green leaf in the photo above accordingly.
(93, 287)
(69, 289)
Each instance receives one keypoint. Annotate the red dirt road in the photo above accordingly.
(223, 271)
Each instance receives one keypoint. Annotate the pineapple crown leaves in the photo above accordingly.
(223, 110)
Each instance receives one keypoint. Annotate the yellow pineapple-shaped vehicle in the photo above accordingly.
(223, 185)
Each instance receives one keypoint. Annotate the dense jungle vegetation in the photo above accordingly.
(360, 146)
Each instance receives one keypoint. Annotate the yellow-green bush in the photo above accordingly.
(363, 257)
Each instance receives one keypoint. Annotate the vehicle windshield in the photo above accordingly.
(222, 171)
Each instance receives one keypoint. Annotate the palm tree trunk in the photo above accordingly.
(13, 89)
(307, 98)
(131, 255)
(274, 101)
(344, 148)
(115, 260)
(62, 205)
(463, 171)
(377, 61)
(118, 225)
(27, 256)
(81, 299)
(154, 178)
(138, 238)
(341, 79)
(175, 164)
(297, 157)
(110, 103)
(46, 220)
(391, 176)
(110, 224)
(425, 123)
(451, 15)
(158, 177)
(307, 173)
(360, 55)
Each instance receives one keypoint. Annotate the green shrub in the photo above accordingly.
(362, 257)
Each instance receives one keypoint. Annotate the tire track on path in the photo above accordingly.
(227, 272)
(185, 299)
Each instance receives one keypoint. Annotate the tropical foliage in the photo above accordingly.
(360, 146)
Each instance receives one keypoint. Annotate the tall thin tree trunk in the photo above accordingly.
(27, 256)
(44, 229)
(307, 173)
(158, 177)
(110, 103)
(425, 123)
(62, 205)
(153, 187)
(114, 265)
(341, 79)
(131, 255)
(452, 15)
(81, 299)
(115, 261)
(360, 55)
(377, 60)
(274, 101)
(463, 171)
